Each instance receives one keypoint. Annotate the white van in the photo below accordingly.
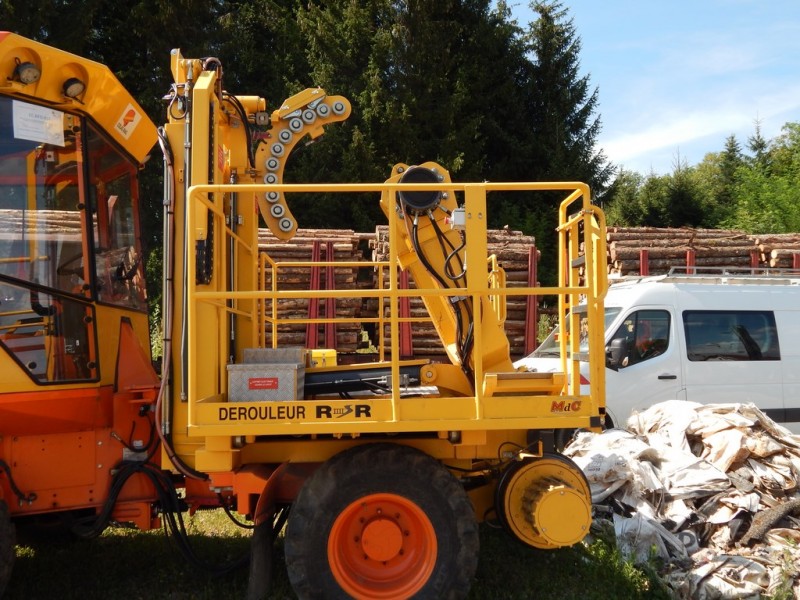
(706, 338)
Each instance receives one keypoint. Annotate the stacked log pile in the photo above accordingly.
(670, 247)
(512, 249)
(47, 224)
(299, 277)
(779, 249)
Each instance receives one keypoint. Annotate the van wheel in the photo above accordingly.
(7, 542)
(382, 521)
(563, 437)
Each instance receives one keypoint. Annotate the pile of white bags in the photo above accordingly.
(710, 489)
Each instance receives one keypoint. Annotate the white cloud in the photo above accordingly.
(671, 125)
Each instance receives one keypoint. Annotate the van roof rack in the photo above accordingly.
(737, 271)
(733, 275)
(717, 275)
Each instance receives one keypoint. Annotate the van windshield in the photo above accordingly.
(550, 346)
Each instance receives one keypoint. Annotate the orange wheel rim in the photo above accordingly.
(382, 546)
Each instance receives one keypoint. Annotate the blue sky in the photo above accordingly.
(677, 77)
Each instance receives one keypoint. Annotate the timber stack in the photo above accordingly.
(780, 250)
(665, 248)
(286, 264)
(514, 252)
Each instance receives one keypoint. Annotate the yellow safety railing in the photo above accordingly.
(582, 277)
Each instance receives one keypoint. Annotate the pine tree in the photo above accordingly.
(758, 146)
(561, 105)
(561, 127)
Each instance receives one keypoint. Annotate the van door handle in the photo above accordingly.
(667, 376)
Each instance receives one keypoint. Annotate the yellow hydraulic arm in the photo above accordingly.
(434, 250)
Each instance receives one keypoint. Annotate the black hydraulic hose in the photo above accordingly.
(421, 255)
(171, 506)
(22, 496)
(231, 516)
(449, 254)
(445, 285)
(469, 339)
(237, 104)
(462, 307)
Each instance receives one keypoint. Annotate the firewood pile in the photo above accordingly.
(670, 247)
(512, 249)
(345, 245)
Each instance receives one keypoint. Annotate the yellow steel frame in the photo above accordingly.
(501, 401)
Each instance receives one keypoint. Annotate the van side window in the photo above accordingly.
(643, 335)
(731, 335)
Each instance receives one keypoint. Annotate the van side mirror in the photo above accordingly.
(617, 354)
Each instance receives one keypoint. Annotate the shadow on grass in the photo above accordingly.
(510, 570)
(129, 564)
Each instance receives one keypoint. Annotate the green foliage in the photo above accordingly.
(766, 203)
(785, 152)
(456, 82)
(626, 207)
(544, 326)
(757, 193)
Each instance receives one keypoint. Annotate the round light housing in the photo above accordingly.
(73, 87)
(27, 72)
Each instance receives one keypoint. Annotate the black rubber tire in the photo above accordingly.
(7, 543)
(260, 575)
(382, 469)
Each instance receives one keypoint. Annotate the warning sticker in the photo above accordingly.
(127, 122)
(262, 383)
(38, 124)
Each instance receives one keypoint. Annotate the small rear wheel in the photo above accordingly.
(382, 521)
(7, 542)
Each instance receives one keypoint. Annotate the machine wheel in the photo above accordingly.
(7, 542)
(382, 521)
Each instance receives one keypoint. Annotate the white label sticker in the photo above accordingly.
(38, 124)
(128, 120)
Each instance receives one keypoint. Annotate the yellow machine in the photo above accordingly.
(380, 470)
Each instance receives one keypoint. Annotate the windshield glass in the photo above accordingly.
(550, 346)
(65, 189)
(41, 221)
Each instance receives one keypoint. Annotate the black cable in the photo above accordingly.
(176, 98)
(237, 104)
(414, 235)
(171, 509)
(450, 254)
(231, 516)
(463, 307)
(148, 448)
(421, 255)
(12, 484)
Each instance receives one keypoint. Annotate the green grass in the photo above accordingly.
(132, 565)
